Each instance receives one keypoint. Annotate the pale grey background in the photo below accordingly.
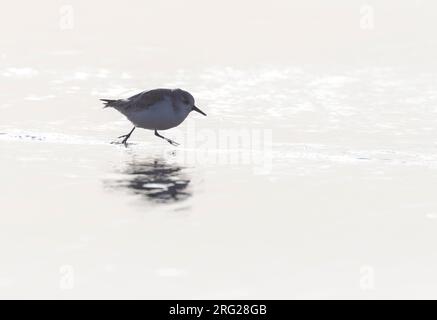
(346, 210)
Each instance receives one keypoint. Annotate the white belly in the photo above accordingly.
(160, 116)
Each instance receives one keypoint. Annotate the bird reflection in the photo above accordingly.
(156, 180)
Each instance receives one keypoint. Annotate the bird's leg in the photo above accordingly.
(126, 136)
(173, 143)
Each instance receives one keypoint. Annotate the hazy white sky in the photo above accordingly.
(336, 31)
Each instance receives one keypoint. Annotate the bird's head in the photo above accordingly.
(185, 101)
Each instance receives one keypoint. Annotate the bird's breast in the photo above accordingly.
(160, 116)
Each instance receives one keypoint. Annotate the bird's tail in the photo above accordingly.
(109, 102)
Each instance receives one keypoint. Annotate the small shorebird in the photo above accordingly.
(158, 109)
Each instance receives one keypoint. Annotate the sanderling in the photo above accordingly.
(158, 109)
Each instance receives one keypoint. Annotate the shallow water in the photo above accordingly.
(308, 179)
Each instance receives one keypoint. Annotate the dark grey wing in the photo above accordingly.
(147, 98)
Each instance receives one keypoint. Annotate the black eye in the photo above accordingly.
(185, 101)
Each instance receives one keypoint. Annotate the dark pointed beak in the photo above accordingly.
(198, 110)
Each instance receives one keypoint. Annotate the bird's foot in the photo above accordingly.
(124, 141)
(173, 143)
(119, 142)
(125, 138)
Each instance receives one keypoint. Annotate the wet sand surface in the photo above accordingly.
(329, 194)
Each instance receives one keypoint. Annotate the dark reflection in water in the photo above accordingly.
(156, 180)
